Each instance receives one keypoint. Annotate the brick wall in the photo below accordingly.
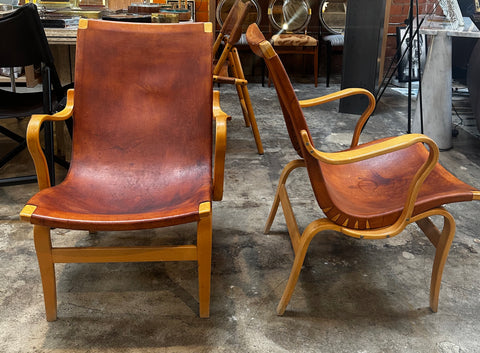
(201, 10)
(398, 14)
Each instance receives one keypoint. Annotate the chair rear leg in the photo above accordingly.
(253, 120)
(204, 258)
(234, 58)
(243, 105)
(315, 65)
(281, 182)
(235, 72)
(43, 247)
(329, 62)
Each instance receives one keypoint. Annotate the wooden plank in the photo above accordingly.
(124, 254)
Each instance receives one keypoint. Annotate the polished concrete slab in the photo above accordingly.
(352, 296)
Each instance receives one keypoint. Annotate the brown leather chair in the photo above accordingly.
(369, 191)
(230, 34)
(142, 148)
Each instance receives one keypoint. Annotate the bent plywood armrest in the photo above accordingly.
(343, 94)
(220, 118)
(377, 149)
(33, 139)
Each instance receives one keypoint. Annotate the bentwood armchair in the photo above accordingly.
(142, 148)
(230, 34)
(369, 191)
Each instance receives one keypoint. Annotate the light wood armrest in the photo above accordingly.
(220, 118)
(342, 94)
(33, 139)
(381, 148)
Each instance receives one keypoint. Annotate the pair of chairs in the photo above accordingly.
(149, 164)
(24, 43)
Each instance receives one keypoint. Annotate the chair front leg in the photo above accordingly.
(441, 254)
(43, 247)
(204, 258)
(312, 229)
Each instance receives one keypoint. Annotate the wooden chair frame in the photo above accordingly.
(48, 256)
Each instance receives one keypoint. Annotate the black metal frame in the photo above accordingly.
(411, 34)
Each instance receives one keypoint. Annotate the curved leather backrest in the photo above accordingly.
(292, 112)
(143, 109)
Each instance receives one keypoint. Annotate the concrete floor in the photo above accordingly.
(352, 296)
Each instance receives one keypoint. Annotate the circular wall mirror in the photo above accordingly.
(289, 15)
(333, 14)
(254, 14)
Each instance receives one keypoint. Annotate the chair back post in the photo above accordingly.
(239, 13)
(292, 112)
(231, 31)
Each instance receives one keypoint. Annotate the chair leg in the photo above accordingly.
(250, 118)
(329, 62)
(253, 120)
(281, 183)
(312, 229)
(442, 242)
(443, 248)
(315, 65)
(243, 105)
(204, 258)
(241, 97)
(43, 247)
